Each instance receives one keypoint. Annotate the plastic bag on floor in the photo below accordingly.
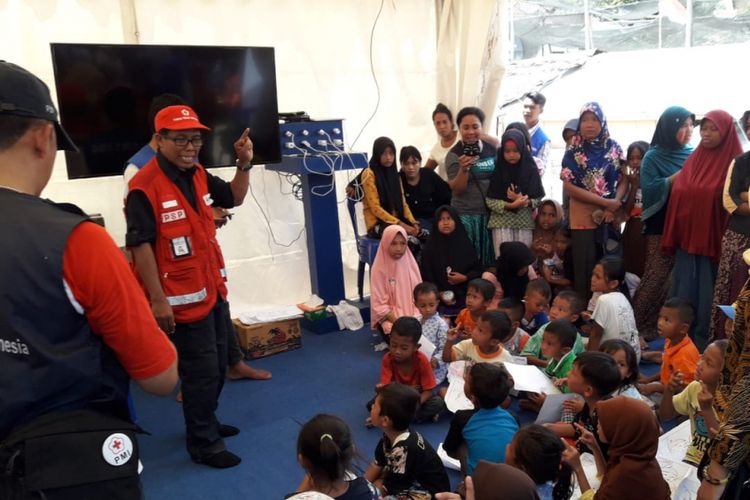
(347, 316)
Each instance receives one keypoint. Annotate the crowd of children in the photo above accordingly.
(412, 388)
(529, 308)
(593, 368)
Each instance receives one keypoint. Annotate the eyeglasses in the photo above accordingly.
(182, 141)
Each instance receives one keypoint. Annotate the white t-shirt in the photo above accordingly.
(438, 154)
(128, 174)
(614, 314)
(466, 350)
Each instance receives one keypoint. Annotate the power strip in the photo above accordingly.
(312, 137)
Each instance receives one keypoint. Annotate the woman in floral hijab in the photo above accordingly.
(591, 175)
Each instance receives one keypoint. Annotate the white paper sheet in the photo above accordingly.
(426, 346)
(551, 410)
(531, 379)
(448, 462)
(270, 315)
(673, 444)
(456, 370)
(455, 399)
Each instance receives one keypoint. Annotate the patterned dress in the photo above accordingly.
(436, 330)
(731, 446)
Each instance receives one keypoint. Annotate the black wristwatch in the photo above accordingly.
(246, 168)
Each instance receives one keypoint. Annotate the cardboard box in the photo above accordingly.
(265, 339)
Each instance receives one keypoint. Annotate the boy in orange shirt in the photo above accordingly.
(479, 295)
(680, 354)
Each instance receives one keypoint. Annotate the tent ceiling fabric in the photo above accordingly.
(470, 50)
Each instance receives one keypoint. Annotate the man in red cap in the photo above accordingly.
(236, 367)
(74, 324)
(172, 236)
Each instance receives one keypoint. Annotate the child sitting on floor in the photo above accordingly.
(536, 302)
(325, 450)
(405, 463)
(548, 219)
(513, 267)
(696, 401)
(624, 356)
(594, 376)
(405, 364)
(393, 276)
(613, 315)
(568, 306)
(538, 451)
(482, 433)
(479, 294)
(558, 269)
(680, 354)
(486, 342)
(514, 309)
(434, 328)
(557, 346)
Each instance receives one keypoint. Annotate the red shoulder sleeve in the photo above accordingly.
(100, 280)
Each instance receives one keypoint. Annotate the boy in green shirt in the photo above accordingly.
(557, 345)
(558, 340)
(568, 305)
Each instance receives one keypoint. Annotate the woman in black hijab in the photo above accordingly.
(449, 259)
(384, 203)
(513, 268)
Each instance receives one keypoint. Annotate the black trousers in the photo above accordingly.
(234, 353)
(202, 350)
(584, 260)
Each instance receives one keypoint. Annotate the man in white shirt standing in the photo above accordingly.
(533, 106)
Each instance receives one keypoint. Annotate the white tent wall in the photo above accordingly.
(470, 53)
(322, 67)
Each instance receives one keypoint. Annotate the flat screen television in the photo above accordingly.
(104, 93)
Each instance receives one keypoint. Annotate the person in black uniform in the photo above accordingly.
(74, 325)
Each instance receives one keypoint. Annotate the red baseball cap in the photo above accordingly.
(179, 117)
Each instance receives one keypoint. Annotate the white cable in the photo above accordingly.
(374, 78)
(329, 158)
(305, 154)
(268, 224)
(340, 149)
(343, 150)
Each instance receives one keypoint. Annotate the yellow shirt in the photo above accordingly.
(686, 403)
(372, 210)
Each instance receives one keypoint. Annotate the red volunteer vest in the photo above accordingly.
(188, 257)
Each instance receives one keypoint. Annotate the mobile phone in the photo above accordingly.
(471, 149)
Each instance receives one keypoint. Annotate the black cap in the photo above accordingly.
(23, 94)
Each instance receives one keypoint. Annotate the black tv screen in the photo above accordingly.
(104, 93)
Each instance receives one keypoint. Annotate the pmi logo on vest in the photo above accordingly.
(117, 449)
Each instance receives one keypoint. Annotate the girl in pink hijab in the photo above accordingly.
(393, 276)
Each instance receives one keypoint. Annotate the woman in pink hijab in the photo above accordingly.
(393, 277)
